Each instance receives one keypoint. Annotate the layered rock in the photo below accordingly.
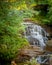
(49, 46)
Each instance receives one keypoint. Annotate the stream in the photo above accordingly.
(36, 35)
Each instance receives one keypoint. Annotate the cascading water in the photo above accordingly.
(35, 34)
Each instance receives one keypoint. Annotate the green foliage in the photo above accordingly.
(30, 62)
(10, 26)
(44, 8)
(49, 16)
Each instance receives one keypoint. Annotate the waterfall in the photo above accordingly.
(35, 34)
(42, 59)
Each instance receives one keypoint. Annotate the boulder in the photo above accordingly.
(49, 46)
(27, 53)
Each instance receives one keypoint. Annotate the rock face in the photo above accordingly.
(28, 53)
(50, 60)
(49, 46)
(32, 51)
(48, 29)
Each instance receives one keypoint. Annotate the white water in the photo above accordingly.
(35, 34)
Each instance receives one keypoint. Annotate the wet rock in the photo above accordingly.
(27, 53)
(50, 60)
(49, 46)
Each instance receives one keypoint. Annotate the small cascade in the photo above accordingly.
(35, 34)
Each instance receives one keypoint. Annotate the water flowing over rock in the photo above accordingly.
(37, 37)
(35, 34)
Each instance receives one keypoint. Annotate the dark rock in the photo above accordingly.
(49, 45)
